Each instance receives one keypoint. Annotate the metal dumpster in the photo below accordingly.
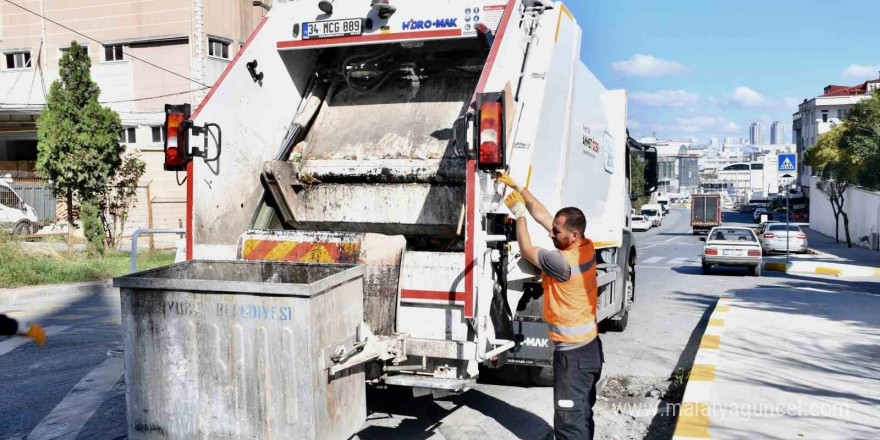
(240, 349)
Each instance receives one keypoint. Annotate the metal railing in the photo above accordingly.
(137, 233)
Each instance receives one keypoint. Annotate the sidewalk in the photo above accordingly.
(839, 252)
(788, 363)
(828, 258)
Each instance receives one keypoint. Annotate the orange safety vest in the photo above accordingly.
(570, 307)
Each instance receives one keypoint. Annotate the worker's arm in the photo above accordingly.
(518, 207)
(11, 326)
(536, 209)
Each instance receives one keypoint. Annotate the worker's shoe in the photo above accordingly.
(37, 334)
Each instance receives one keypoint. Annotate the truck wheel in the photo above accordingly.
(619, 325)
(541, 376)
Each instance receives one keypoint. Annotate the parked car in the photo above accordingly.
(745, 208)
(758, 212)
(726, 246)
(15, 215)
(640, 223)
(774, 237)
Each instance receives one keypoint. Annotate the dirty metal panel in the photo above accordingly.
(390, 209)
(400, 120)
(202, 364)
(449, 170)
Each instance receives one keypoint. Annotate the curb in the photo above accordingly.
(807, 267)
(693, 417)
(11, 297)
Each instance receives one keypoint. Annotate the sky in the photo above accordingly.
(709, 68)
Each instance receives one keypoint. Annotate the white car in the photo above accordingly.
(640, 223)
(776, 236)
(15, 215)
(727, 246)
(654, 213)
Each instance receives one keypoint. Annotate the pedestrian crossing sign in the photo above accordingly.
(787, 162)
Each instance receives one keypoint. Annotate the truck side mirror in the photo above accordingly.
(650, 170)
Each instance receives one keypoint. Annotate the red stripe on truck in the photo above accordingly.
(434, 295)
(471, 190)
(189, 167)
(417, 35)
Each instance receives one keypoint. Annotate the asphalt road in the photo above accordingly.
(73, 389)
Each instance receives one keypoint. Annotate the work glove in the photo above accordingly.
(33, 331)
(507, 180)
(516, 204)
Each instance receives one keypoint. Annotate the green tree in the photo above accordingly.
(92, 228)
(118, 197)
(838, 168)
(78, 139)
(637, 180)
(862, 137)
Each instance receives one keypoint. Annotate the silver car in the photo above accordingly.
(727, 246)
(776, 236)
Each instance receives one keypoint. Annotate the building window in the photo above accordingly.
(158, 134)
(218, 48)
(128, 135)
(824, 116)
(113, 52)
(18, 60)
(840, 113)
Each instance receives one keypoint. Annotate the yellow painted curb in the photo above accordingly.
(723, 308)
(715, 322)
(828, 271)
(877, 272)
(703, 372)
(777, 267)
(710, 341)
(693, 421)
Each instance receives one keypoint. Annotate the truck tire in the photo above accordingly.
(541, 376)
(619, 325)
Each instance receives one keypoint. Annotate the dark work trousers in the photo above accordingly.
(8, 326)
(575, 374)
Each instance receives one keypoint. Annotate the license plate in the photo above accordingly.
(350, 27)
(730, 252)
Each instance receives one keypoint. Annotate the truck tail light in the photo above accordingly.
(491, 132)
(769, 235)
(711, 251)
(176, 137)
(754, 253)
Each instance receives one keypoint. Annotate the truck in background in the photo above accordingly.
(663, 201)
(705, 212)
(373, 140)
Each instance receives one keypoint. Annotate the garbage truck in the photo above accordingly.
(368, 133)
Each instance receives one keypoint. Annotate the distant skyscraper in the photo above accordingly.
(728, 140)
(713, 142)
(756, 133)
(777, 133)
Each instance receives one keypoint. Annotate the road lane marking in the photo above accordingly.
(656, 244)
(17, 341)
(653, 260)
(679, 261)
(68, 417)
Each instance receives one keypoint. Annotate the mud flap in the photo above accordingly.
(381, 254)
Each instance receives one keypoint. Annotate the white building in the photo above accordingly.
(822, 113)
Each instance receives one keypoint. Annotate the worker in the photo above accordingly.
(568, 276)
(11, 326)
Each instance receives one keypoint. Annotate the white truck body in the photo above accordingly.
(382, 163)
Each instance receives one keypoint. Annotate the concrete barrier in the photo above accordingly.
(823, 268)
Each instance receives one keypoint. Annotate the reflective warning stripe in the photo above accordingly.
(306, 252)
(574, 330)
(584, 267)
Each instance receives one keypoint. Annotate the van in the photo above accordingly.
(15, 215)
(654, 213)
